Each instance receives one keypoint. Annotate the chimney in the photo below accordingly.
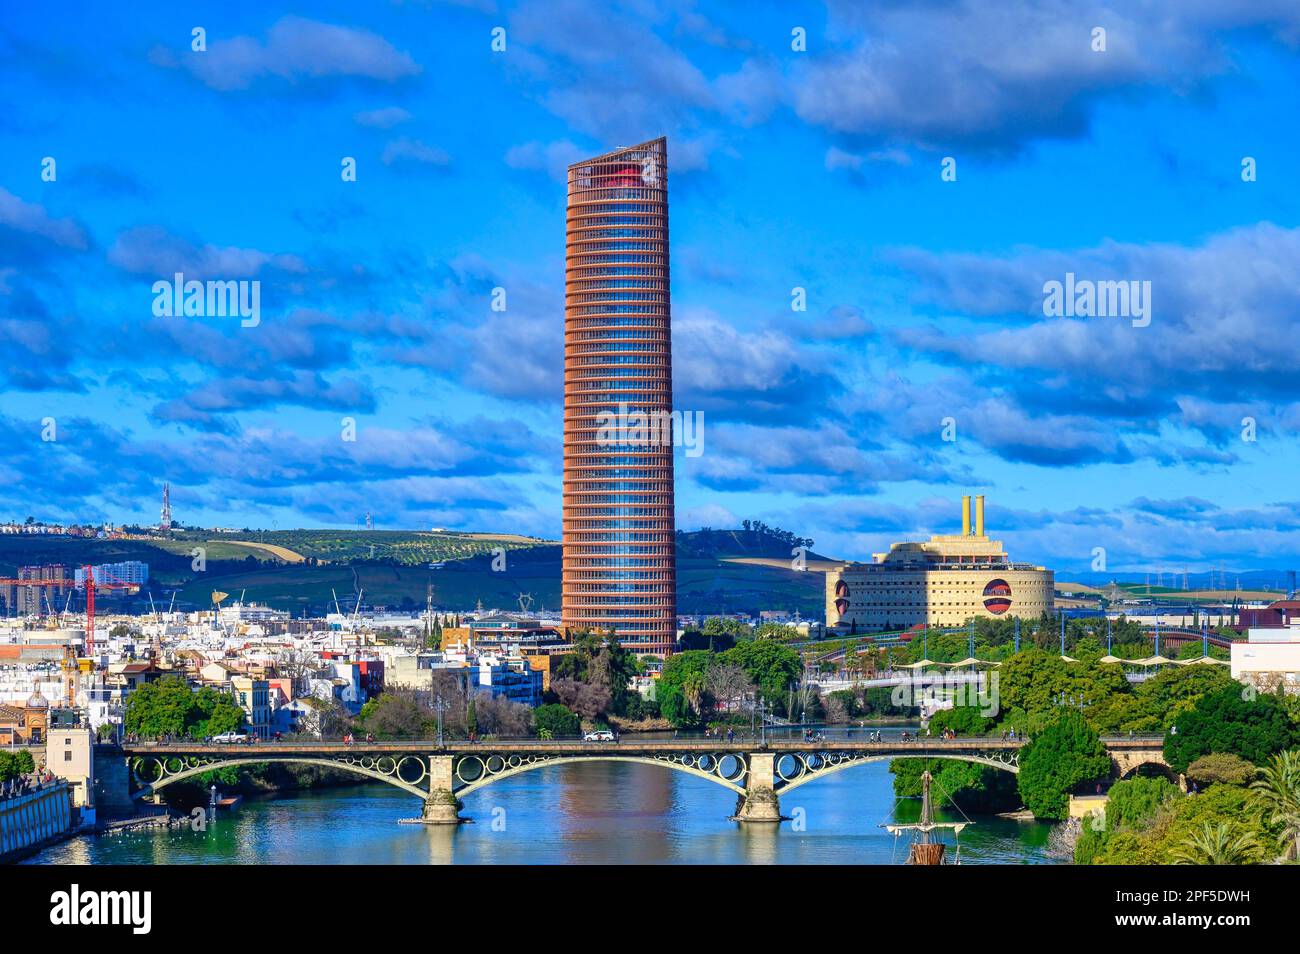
(965, 515)
(979, 515)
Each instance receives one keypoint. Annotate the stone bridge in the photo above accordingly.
(440, 775)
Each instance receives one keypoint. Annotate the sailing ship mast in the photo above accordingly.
(925, 850)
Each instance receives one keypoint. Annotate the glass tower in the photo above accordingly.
(619, 557)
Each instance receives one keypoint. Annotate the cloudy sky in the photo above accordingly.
(817, 169)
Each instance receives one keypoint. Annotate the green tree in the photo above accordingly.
(1218, 845)
(1135, 801)
(964, 720)
(1278, 794)
(169, 707)
(394, 715)
(1233, 720)
(471, 718)
(555, 720)
(971, 787)
(1035, 681)
(1066, 754)
(670, 690)
(771, 666)
(1221, 767)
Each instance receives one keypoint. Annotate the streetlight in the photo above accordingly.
(439, 706)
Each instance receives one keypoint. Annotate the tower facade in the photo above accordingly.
(165, 518)
(620, 569)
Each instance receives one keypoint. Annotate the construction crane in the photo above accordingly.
(71, 666)
(91, 585)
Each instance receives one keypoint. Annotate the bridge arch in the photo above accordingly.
(734, 783)
(150, 788)
(832, 764)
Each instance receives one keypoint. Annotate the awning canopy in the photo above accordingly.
(1204, 661)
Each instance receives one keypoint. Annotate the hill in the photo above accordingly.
(718, 571)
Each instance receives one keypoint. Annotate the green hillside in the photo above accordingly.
(398, 576)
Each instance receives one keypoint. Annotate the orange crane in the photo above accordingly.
(91, 585)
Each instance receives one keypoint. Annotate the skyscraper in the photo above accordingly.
(619, 557)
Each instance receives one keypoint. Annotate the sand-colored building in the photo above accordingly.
(942, 582)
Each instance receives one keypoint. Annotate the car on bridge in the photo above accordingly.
(599, 735)
(229, 738)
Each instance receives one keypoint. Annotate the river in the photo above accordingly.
(582, 813)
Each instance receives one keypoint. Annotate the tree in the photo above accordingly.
(670, 689)
(728, 684)
(471, 719)
(395, 714)
(1134, 802)
(964, 720)
(1034, 680)
(770, 665)
(695, 687)
(502, 717)
(169, 707)
(972, 787)
(555, 720)
(1278, 792)
(1066, 754)
(1221, 767)
(1234, 720)
(1218, 845)
(587, 700)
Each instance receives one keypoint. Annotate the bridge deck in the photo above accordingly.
(576, 747)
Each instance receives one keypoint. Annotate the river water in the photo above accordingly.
(581, 813)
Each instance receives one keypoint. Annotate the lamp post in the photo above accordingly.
(1017, 634)
(439, 706)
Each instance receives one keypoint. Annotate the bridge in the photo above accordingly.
(758, 773)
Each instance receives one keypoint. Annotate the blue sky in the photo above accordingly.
(817, 169)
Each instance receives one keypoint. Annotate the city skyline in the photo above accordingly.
(792, 170)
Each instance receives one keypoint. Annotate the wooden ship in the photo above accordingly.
(926, 848)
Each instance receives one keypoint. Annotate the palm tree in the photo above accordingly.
(693, 687)
(1215, 845)
(1278, 793)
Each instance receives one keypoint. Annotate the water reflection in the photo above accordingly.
(583, 813)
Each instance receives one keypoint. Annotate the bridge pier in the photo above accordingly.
(760, 803)
(442, 807)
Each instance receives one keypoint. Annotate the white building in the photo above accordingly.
(133, 572)
(1269, 658)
